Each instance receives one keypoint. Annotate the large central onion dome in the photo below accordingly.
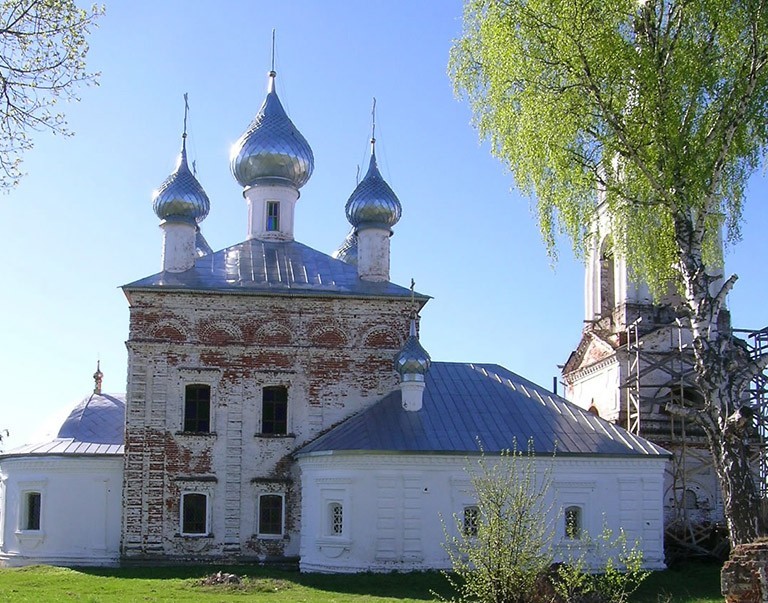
(272, 150)
(180, 196)
(373, 204)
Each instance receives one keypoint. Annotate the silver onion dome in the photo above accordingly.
(180, 196)
(412, 362)
(373, 204)
(347, 251)
(272, 150)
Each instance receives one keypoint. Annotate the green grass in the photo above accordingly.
(693, 583)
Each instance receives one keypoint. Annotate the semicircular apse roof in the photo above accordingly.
(99, 418)
(96, 426)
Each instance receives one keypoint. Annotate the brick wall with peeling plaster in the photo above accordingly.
(335, 357)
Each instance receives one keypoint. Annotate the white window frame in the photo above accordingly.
(25, 489)
(207, 532)
(581, 495)
(265, 535)
(197, 376)
(334, 490)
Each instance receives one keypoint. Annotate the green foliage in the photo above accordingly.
(661, 104)
(501, 559)
(620, 574)
(42, 61)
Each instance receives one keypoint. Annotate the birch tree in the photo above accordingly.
(663, 106)
(43, 47)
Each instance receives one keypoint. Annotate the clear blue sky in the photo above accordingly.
(81, 222)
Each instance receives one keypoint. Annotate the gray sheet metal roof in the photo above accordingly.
(260, 267)
(96, 426)
(469, 403)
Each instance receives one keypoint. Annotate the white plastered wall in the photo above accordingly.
(80, 510)
(393, 504)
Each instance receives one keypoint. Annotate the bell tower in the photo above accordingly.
(635, 356)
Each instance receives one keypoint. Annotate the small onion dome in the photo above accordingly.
(347, 251)
(181, 196)
(413, 361)
(272, 150)
(373, 204)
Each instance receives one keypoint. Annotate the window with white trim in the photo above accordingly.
(271, 512)
(194, 514)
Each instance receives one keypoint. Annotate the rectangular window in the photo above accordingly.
(273, 215)
(32, 510)
(274, 410)
(194, 514)
(197, 408)
(470, 520)
(271, 514)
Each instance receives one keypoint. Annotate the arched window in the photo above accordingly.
(607, 279)
(336, 519)
(573, 521)
(470, 520)
(690, 500)
(197, 408)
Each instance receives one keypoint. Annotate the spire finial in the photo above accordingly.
(373, 124)
(272, 70)
(186, 113)
(98, 376)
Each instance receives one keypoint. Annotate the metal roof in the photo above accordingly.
(96, 426)
(468, 406)
(274, 267)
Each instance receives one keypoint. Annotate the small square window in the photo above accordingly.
(194, 514)
(32, 510)
(271, 514)
(197, 408)
(470, 520)
(273, 215)
(274, 410)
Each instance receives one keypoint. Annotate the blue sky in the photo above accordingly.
(81, 224)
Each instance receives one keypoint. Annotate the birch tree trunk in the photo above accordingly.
(724, 369)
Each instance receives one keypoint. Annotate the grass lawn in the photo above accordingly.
(694, 583)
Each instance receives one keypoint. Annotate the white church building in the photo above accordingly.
(279, 405)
